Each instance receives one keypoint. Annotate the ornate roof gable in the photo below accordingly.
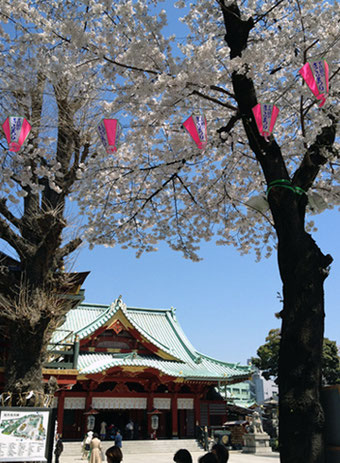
(118, 317)
(165, 346)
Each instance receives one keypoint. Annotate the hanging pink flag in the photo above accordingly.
(265, 116)
(197, 127)
(109, 131)
(16, 129)
(316, 75)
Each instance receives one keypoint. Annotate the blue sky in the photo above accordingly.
(225, 303)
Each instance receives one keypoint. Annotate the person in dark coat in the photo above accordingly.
(59, 447)
(118, 439)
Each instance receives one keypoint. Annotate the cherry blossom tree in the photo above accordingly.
(46, 81)
(236, 54)
(52, 74)
(64, 68)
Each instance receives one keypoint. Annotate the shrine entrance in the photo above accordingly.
(118, 419)
(73, 428)
(186, 424)
(165, 425)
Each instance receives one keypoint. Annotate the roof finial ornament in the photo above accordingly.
(173, 311)
(120, 304)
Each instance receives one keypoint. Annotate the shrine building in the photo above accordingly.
(131, 363)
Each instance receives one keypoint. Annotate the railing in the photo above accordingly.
(63, 355)
(207, 436)
(60, 355)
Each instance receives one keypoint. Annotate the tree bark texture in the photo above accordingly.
(23, 371)
(303, 269)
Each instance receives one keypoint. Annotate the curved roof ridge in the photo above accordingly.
(79, 322)
(190, 349)
(102, 318)
(145, 309)
(106, 361)
(147, 335)
(91, 363)
(221, 362)
(90, 305)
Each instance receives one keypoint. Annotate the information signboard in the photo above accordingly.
(24, 434)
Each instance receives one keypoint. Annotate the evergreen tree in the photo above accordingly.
(267, 359)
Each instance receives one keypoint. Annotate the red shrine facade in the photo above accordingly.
(135, 364)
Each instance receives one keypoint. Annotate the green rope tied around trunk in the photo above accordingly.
(283, 183)
(299, 190)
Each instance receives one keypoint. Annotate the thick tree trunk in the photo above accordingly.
(303, 271)
(23, 372)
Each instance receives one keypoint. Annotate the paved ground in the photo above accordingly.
(235, 457)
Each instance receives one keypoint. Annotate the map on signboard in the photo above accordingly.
(23, 435)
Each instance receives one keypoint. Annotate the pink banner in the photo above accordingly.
(109, 131)
(265, 116)
(16, 129)
(316, 76)
(197, 128)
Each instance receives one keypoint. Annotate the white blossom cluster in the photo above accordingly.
(112, 59)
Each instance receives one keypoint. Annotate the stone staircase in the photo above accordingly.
(73, 449)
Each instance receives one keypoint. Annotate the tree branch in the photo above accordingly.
(8, 214)
(222, 90)
(315, 156)
(152, 195)
(268, 11)
(68, 248)
(227, 128)
(14, 240)
(237, 29)
(186, 189)
(214, 100)
(268, 153)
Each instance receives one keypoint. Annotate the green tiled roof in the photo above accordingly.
(158, 326)
(79, 320)
(95, 363)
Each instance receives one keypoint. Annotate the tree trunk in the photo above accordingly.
(303, 270)
(23, 372)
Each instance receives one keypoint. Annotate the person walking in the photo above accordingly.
(86, 445)
(96, 450)
(129, 430)
(112, 431)
(114, 454)
(118, 439)
(59, 447)
(103, 430)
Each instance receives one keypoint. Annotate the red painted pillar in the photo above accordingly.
(60, 411)
(174, 413)
(197, 411)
